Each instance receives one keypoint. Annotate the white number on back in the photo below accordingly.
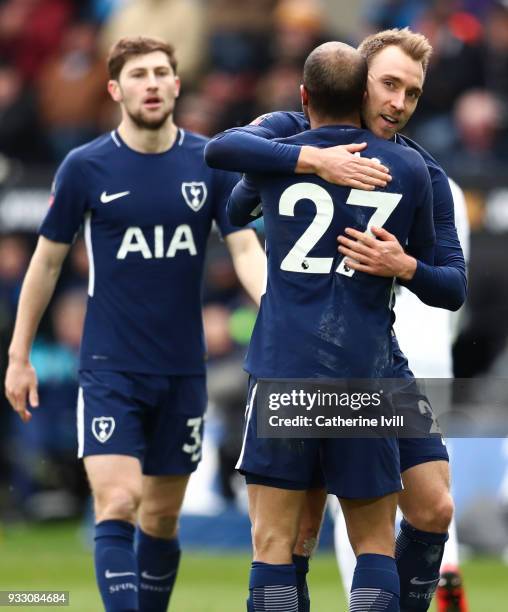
(297, 259)
(384, 203)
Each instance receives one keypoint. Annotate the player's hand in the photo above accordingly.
(21, 388)
(379, 256)
(340, 166)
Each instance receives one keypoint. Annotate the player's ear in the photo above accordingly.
(304, 95)
(114, 90)
(178, 84)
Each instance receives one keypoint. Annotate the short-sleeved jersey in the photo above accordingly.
(318, 318)
(146, 221)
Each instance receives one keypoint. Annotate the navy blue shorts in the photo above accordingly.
(415, 451)
(158, 419)
(349, 468)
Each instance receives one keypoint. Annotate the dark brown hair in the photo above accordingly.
(131, 46)
(414, 44)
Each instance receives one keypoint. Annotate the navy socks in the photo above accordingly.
(375, 585)
(418, 555)
(272, 587)
(158, 561)
(115, 566)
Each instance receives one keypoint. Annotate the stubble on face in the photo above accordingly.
(149, 106)
(394, 85)
(145, 122)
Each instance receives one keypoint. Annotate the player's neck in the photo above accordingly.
(148, 141)
(317, 121)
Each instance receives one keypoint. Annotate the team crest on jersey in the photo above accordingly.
(194, 194)
(103, 428)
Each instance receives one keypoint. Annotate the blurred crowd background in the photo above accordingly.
(237, 59)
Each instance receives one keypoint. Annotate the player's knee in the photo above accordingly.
(272, 544)
(434, 517)
(117, 503)
(159, 523)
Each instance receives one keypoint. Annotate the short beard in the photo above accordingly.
(148, 124)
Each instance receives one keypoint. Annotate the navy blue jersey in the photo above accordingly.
(318, 318)
(146, 222)
(253, 149)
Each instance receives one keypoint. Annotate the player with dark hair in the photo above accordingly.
(318, 319)
(391, 97)
(147, 201)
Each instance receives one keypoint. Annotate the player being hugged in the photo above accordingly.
(147, 200)
(321, 319)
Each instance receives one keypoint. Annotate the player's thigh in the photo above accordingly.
(371, 524)
(116, 484)
(426, 495)
(277, 516)
(361, 468)
(295, 463)
(174, 431)
(109, 414)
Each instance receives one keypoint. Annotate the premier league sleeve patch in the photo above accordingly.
(194, 194)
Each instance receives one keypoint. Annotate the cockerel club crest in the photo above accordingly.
(194, 194)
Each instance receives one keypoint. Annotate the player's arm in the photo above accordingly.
(249, 261)
(441, 284)
(444, 284)
(38, 287)
(252, 149)
(244, 203)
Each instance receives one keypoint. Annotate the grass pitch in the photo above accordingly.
(55, 557)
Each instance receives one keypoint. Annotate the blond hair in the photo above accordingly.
(414, 44)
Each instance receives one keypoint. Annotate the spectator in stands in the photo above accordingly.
(496, 51)
(44, 476)
(180, 22)
(456, 66)
(240, 34)
(20, 131)
(73, 101)
(299, 27)
(31, 31)
(389, 14)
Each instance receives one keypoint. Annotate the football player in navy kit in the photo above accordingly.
(391, 98)
(318, 319)
(147, 201)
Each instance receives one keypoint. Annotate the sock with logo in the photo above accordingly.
(272, 587)
(302, 569)
(375, 585)
(158, 561)
(418, 555)
(115, 566)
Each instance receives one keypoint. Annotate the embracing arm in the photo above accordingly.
(252, 149)
(38, 287)
(443, 284)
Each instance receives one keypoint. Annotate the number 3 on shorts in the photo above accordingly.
(194, 449)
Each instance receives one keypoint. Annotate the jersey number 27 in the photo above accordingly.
(298, 260)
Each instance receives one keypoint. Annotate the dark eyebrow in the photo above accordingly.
(144, 69)
(416, 90)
